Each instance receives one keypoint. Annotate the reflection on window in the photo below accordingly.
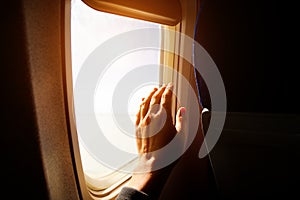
(89, 29)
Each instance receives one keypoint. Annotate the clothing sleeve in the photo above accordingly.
(128, 193)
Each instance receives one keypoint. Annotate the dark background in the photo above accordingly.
(253, 46)
(245, 39)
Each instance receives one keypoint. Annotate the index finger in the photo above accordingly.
(166, 99)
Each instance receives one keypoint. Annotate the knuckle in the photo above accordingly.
(155, 96)
(146, 120)
(142, 104)
(165, 103)
(167, 95)
(168, 92)
(153, 100)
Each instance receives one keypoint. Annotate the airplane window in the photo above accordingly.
(89, 30)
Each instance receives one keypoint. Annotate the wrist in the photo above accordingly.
(146, 180)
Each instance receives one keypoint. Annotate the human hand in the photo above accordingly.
(154, 124)
(154, 130)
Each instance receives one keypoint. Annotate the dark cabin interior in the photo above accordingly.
(257, 156)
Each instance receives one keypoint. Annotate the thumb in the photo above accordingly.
(180, 119)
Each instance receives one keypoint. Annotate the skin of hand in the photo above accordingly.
(155, 129)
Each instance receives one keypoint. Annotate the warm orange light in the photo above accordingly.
(160, 11)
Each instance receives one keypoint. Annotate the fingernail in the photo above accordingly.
(170, 85)
(182, 112)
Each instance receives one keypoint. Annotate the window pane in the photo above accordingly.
(89, 29)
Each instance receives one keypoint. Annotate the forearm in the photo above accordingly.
(151, 182)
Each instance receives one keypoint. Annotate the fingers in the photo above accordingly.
(144, 107)
(180, 117)
(138, 118)
(166, 100)
(156, 98)
(146, 102)
(161, 96)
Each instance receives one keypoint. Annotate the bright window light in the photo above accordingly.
(89, 29)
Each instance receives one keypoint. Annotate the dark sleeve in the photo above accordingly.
(128, 193)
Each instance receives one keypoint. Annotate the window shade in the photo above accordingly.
(166, 12)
